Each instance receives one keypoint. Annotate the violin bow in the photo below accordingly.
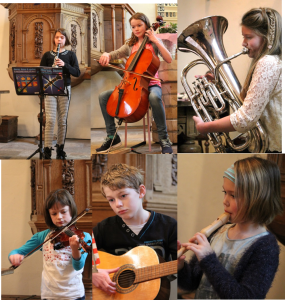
(11, 269)
(118, 68)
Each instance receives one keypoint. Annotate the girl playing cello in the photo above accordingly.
(140, 27)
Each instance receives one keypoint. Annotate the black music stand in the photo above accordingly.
(41, 81)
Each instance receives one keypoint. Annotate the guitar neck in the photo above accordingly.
(156, 271)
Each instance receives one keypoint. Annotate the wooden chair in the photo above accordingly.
(149, 120)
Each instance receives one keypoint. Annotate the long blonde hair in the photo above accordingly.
(267, 23)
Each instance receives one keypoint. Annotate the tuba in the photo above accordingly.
(212, 99)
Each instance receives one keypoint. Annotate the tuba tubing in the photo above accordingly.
(221, 220)
(205, 39)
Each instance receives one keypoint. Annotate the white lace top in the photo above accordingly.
(263, 101)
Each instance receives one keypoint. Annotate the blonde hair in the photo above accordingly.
(266, 23)
(121, 176)
(137, 16)
(257, 190)
(58, 196)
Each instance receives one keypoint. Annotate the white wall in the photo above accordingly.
(16, 210)
(233, 10)
(27, 107)
(200, 200)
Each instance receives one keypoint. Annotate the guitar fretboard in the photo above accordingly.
(156, 271)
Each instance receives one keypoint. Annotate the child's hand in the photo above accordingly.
(199, 245)
(199, 124)
(180, 260)
(102, 280)
(104, 59)
(75, 245)
(59, 62)
(16, 259)
(209, 75)
(151, 35)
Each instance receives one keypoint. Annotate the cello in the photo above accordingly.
(129, 101)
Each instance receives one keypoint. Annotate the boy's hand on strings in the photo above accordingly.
(199, 245)
(180, 260)
(16, 259)
(102, 280)
(104, 59)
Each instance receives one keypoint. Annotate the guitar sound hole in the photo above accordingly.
(126, 278)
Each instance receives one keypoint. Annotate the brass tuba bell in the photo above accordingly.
(211, 99)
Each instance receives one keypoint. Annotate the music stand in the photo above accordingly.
(41, 81)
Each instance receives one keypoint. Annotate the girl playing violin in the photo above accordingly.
(261, 93)
(140, 27)
(59, 105)
(240, 260)
(62, 269)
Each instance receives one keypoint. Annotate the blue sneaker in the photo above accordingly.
(165, 145)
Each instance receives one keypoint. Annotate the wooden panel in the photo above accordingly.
(278, 224)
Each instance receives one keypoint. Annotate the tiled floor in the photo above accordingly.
(22, 148)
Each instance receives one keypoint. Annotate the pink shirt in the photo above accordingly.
(148, 46)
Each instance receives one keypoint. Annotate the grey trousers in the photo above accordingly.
(56, 105)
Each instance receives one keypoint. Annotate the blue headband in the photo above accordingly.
(230, 174)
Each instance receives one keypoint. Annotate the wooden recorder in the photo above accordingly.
(221, 220)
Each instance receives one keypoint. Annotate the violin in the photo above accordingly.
(62, 240)
(129, 101)
(60, 237)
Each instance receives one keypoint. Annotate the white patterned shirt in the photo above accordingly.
(263, 101)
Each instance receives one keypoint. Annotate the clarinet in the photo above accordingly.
(56, 57)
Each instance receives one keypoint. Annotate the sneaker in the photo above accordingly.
(165, 145)
(107, 143)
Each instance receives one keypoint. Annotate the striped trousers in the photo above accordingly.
(56, 105)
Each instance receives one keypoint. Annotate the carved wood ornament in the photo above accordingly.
(13, 34)
(99, 166)
(39, 29)
(95, 30)
(174, 170)
(73, 38)
(68, 175)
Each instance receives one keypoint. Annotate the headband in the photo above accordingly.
(230, 174)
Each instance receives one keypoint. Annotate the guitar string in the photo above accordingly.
(150, 271)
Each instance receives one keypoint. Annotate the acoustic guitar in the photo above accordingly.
(141, 275)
